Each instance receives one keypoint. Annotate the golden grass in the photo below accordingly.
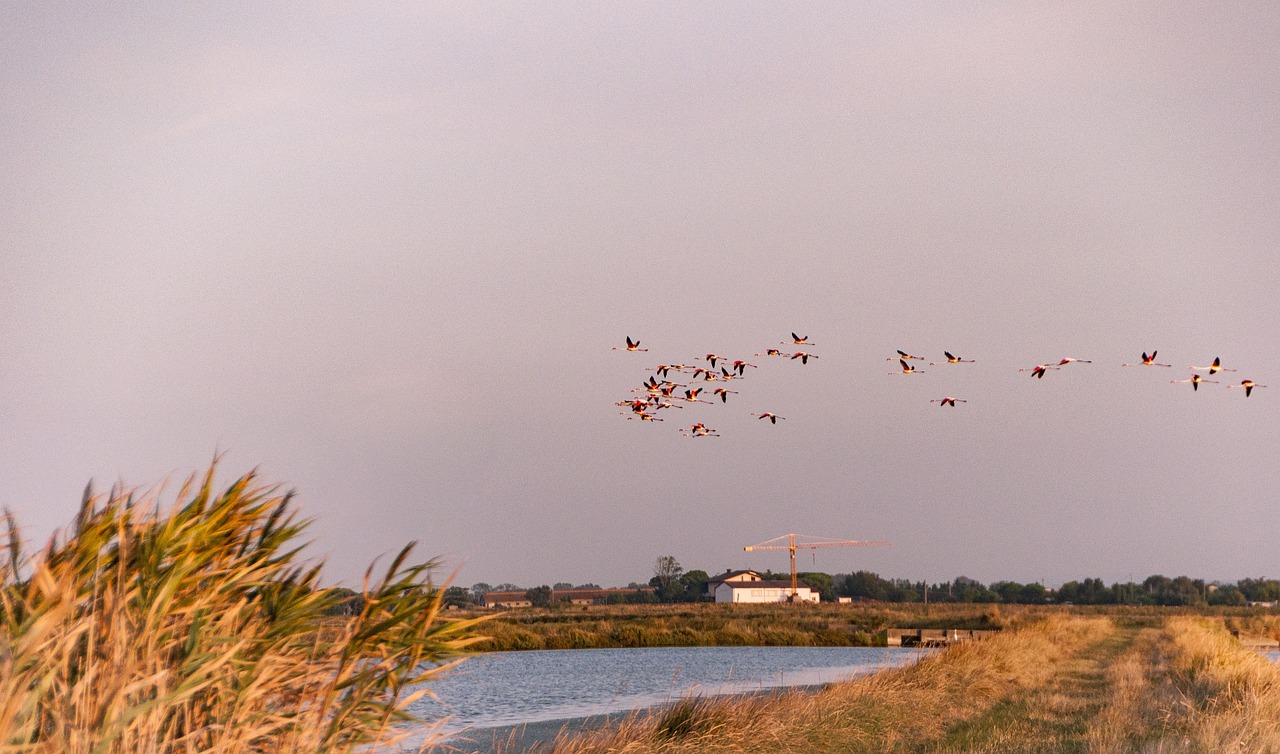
(891, 711)
(1226, 698)
(708, 624)
(197, 630)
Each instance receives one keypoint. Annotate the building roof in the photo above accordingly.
(765, 585)
(731, 574)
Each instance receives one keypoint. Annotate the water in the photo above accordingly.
(512, 688)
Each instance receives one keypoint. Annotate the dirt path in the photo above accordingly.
(1075, 712)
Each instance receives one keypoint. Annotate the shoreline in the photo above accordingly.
(506, 739)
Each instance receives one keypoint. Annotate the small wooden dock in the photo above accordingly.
(933, 637)
(1261, 643)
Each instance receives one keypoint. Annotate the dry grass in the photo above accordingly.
(892, 711)
(704, 624)
(196, 630)
(1227, 698)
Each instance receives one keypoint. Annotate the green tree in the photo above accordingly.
(456, 596)
(693, 584)
(539, 596)
(666, 578)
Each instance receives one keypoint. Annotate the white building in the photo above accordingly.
(748, 586)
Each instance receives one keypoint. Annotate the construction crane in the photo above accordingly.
(814, 543)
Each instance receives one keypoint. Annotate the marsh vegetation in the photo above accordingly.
(200, 628)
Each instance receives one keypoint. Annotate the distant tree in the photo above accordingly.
(820, 583)
(1227, 595)
(1259, 590)
(641, 596)
(693, 585)
(479, 590)
(1032, 593)
(506, 587)
(587, 585)
(561, 585)
(666, 578)
(456, 596)
(864, 584)
(539, 596)
(350, 602)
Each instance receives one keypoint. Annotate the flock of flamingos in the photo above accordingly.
(655, 395)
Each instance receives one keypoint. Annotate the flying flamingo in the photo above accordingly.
(1039, 370)
(724, 393)
(1069, 360)
(907, 368)
(632, 345)
(692, 396)
(948, 401)
(1196, 380)
(796, 340)
(645, 417)
(1248, 386)
(1215, 367)
(802, 356)
(773, 352)
(740, 366)
(700, 430)
(772, 417)
(712, 358)
(951, 360)
(1147, 361)
(904, 355)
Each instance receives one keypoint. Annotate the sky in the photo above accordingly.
(382, 253)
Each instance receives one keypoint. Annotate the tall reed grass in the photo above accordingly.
(1227, 696)
(200, 629)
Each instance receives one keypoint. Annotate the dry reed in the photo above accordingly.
(197, 629)
(1227, 696)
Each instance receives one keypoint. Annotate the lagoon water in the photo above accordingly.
(512, 688)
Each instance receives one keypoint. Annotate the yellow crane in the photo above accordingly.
(813, 543)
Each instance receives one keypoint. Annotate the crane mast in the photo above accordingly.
(817, 543)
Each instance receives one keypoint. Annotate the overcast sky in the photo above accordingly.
(382, 252)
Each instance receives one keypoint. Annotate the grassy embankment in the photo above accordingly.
(198, 629)
(1055, 682)
(855, 625)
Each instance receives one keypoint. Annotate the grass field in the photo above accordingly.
(1060, 681)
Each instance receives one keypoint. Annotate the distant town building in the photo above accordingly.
(759, 590)
(749, 586)
(564, 596)
(731, 576)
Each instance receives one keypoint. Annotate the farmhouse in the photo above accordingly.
(750, 586)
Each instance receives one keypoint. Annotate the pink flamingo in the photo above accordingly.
(952, 360)
(1195, 381)
(1248, 386)
(1215, 367)
(632, 345)
(1147, 361)
(948, 401)
(907, 368)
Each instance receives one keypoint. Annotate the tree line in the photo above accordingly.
(671, 583)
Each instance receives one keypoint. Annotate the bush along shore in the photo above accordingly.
(823, 625)
(199, 629)
(1053, 682)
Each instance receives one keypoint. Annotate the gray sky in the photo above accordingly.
(382, 252)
